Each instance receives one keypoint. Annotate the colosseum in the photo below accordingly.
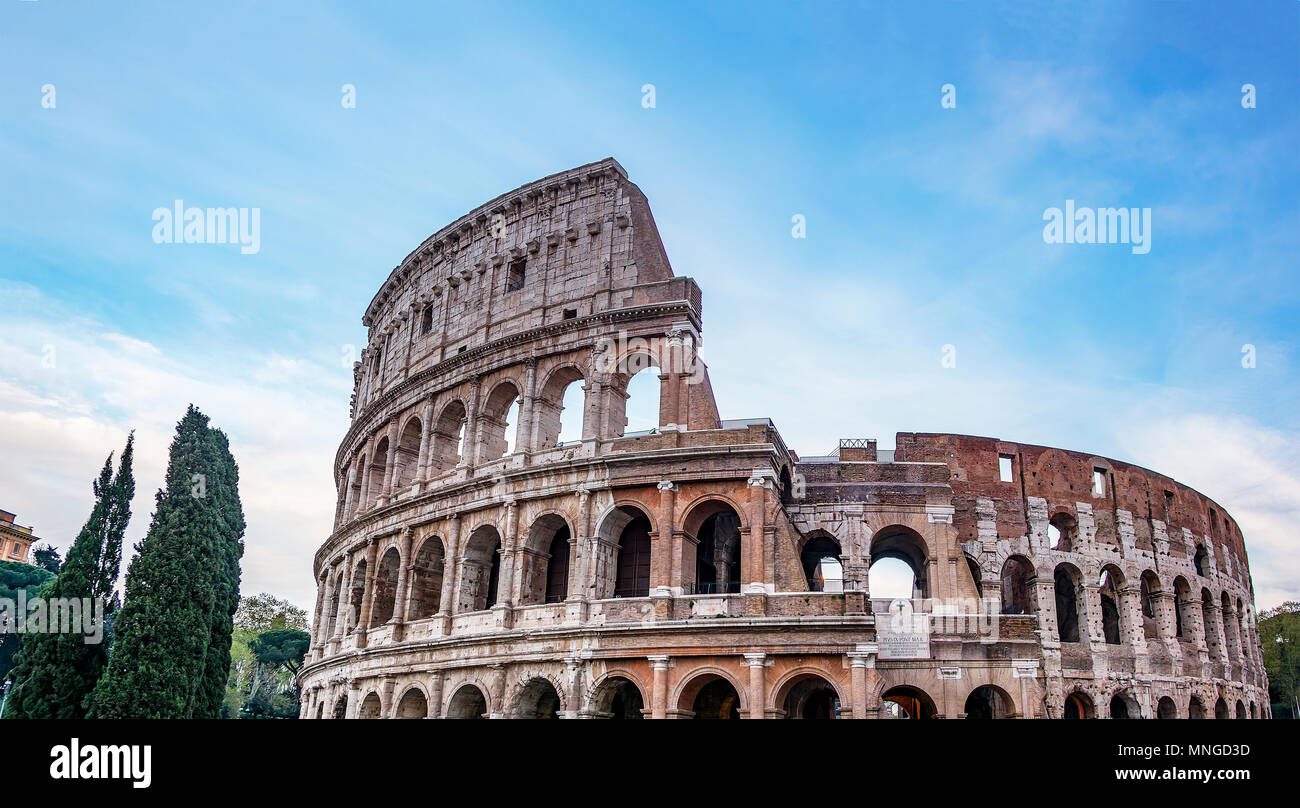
(483, 566)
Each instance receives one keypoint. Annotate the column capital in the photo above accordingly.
(660, 662)
(666, 485)
(863, 655)
(757, 659)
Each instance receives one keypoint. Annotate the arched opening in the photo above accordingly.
(629, 531)
(354, 503)
(1230, 643)
(1241, 709)
(822, 569)
(1062, 532)
(494, 422)
(809, 696)
(989, 701)
(538, 699)
(357, 596)
(375, 488)
(381, 610)
(332, 613)
(557, 567)
(467, 702)
(1212, 639)
(1066, 583)
(1017, 580)
(1195, 709)
(619, 698)
(480, 570)
(787, 489)
(370, 706)
(1122, 705)
(976, 576)
(1112, 580)
(426, 580)
(907, 702)
(1166, 708)
(1199, 560)
(412, 705)
(406, 460)
(1182, 600)
(1078, 705)
(341, 707)
(1150, 586)
(642, 405)
(716, 529)
(545, 561)
(447, 440)
(1220, 709)
(711, 696)
(1252, 711)
(558, 410)
(320, 710)
(885, 579)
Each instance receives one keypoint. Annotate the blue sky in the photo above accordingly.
(924, 224)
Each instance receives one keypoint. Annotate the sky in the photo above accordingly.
(922, 223)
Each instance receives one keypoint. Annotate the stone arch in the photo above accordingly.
(1231, 641)
(378, 466)
(623, 538)
(414, 703)
(537, 697)
(356, 595)
(1182, 599)
(714, 523)
(371, 706)
(387, 576)
(480, 571)
(1200, 560)
(1166, 708)
(1124, 705)
(406, 459)
(1149, 592)
(807, 693)
(1112, 613)
(1078, 704)
(427, 570)
(334, 606)
(710, 692)
(907, 545)
(447, 444)
(1063, 532)
(617, 695)
(352, 500)
(341, 706)
(1017, 578)
(821, 559)
(989, 701)
(548, 407)
(1241, 709)
(1067, 583)
(545, 560)
(909, 701)
(1220, 708)
(468, 700)
(1213, 640)
(493, 420)
(1195, 708)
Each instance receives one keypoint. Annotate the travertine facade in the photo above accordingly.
(703, 568)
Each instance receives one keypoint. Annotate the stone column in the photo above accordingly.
(435, 694)
(862, 670)
(450, 572)
(576, 681)
(321, 605)
(369, 462)
(1026, 672)
(524, 434)
(368, 596)
(659, 663)
(349, 501)
(752, 555)
(469, 449)
(403, 587)
(498, 685)
(386, 697)
(508, 581)
(757, 663)
(341, 626)
(663, 549)
(581, 543)
(390, 473)
(426, 429)
(354, 698)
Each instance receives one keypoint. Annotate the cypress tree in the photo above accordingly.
(57, 672)
(172, 635)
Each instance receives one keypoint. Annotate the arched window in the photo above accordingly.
(381, 610)
(495, 420)
(1200, 560)
(1017, 573)
(1078, 705)
(1166, 708)
(1195, 709)
(413, 704)
(1150, 586)
(989, 701)
(538, 700)
(426, 580)
(370, 706)
(375, 487)
(558, 410)
(716, 528)
(809, 696)
(1221, 709)
(1182, 601)
(557, 567)
(907, 702)
(822, 569)
(632, 579)
(357, 596)
(1108, 588)
(426, 320)
(1212, 639)
(1065, 580)
(711, 696)
(618, 698)
(447, 442)
(896, 552)
(407, 458)
(1123, 705)
(642, 408)
(1230, 643)
(467, 702)
(335, 605)
(480, 570)
(1062, 532)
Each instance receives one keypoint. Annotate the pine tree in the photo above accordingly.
(172, 635)
(57, 672)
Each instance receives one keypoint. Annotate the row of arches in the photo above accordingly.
(465, 430)
(1122, 704)
(1232, 632)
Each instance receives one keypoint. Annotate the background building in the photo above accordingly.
(14, 539)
